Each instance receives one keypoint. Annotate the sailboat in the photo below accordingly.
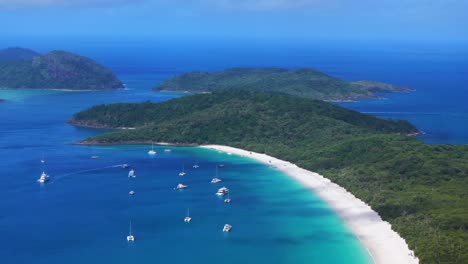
(130, 237)
(182, 173)
(216, 179)
(187, 219)
(196, 166)
(131, 174)
(227, 200)
(151, 151)
(43, 159)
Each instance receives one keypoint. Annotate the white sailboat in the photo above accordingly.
(43, 159)
(131, 174)
(228, 199)
(216, 179)
(151, 151)
(130, 237)
(187, 219)
(132, 192)
(182, 173)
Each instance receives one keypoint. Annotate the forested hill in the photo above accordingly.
(17, 54)
(420, 189)
(24, 68)
(301, 82)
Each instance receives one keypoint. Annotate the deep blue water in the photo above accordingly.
(82, 215)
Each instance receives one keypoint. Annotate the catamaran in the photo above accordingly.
(222, 191)
(151, 151)
(187, 219)
(131, 174)
(43, 178)
(182, 173)
(130, 237)
(227, 228)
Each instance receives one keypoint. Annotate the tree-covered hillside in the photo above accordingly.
(21, 68)
(420, 189)
(301, 82)
(17, 54)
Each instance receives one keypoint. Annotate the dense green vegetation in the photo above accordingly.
(17, 54)
(22, 68)
(420, 189)
(302, 82)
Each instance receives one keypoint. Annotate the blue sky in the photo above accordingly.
(336, 20)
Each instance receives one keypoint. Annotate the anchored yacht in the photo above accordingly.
(228, 199)
(187, 219)
(227, 228)
(151, 151)
(43, 178)
(181, 186)
(130, 237)
(182, 173)
(215, 180)
(222, 191)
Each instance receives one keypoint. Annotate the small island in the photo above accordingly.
(307, 83)
(26, 69)
(419, 189)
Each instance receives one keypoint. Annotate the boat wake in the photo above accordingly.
(60, 177)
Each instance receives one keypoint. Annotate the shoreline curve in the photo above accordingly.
(384, 245)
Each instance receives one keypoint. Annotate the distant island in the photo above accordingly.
(24, 68)
(301, 82)
(419, 188)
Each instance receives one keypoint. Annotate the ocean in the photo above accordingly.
(83, 213)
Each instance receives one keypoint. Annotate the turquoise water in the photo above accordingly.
(82, 215)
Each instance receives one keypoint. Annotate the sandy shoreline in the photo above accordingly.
(384, 245)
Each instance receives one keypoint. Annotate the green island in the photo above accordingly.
(419, 188)
(300, 82)
(23, 68)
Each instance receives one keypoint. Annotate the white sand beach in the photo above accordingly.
(384, 245)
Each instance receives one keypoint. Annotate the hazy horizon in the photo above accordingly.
(412, 21)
